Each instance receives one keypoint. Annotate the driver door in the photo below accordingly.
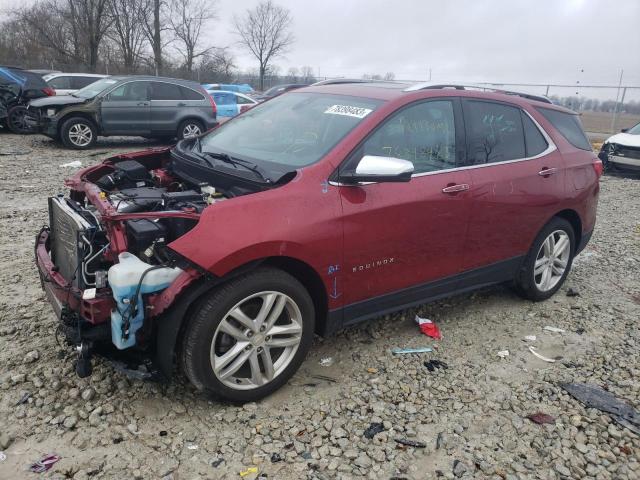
(402, 239)
(126, 110)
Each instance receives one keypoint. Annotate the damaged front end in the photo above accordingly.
(105, 260)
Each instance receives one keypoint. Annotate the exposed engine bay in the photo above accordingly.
(109, 241)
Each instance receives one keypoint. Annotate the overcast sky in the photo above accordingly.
(510, 41)
(559, 41)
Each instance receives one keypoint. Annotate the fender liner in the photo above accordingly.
(170, 322)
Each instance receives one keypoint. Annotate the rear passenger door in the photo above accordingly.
(166, 100)
(518, 181)
(399, 237)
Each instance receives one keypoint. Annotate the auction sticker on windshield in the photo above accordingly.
(348, 110)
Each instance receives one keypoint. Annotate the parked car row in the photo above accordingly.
(83, 106)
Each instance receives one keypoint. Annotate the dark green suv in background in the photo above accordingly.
(152, 107)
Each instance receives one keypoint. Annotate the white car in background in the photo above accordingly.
(68, 83)
(622, 150)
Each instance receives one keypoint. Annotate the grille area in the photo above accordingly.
(629, 152)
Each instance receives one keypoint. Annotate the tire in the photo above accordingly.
(16, 122)
(78, 133)
(541, 282)
(205, 344)
(189, 128)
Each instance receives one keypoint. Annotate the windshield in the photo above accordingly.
(95, 88)
(634, 130)
(290, 131)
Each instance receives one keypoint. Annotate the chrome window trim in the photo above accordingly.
(157, 81)
(551, 147)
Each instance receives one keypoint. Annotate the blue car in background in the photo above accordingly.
(229, 87)
(230, 103)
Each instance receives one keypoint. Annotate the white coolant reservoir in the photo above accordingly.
(124, 278)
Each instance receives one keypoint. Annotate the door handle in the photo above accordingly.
(143, 104)
(545, 172)
(455, 188)
(182, 104)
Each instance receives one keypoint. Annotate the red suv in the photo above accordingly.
(315, 210)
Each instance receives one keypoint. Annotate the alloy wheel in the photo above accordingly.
(256, 340)
(191, 130)
(552, 260)
(80, 134)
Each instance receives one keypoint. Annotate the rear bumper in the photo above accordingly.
(62, 295)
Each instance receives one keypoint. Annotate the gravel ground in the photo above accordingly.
(471, 416)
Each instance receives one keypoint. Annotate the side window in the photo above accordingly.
(568, 124)
(165, 91)
(243, 101)
(189, 94)
(60, 83)
(80, 82)
(223, 99)
(494, 132)
(424, 134)
(130, 92)
(534, 141)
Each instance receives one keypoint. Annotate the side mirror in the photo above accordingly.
(624, 130)
(373, 168)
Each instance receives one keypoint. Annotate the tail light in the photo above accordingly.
(598, 167)
(213, 103)
(49, 91)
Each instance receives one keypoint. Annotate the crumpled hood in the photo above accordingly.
(56, 100)
(625, 139)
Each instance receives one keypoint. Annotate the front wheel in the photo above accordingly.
(249, 336)
(548, 263)
(79, 133)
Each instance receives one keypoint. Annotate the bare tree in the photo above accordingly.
(306, 74)
(73, 28)
(292, 74)
(151, 15)
(265, 32)
(187, 18)
(217, 65)
(127, 31)
(389, 76)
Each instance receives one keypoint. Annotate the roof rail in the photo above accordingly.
(339, 81)
(484, 88)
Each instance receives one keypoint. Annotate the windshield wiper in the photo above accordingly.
(225, 157)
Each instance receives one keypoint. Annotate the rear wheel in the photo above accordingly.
(79, 133)
(190, 128)
(247, 338)
(548, 263)
(16, 120)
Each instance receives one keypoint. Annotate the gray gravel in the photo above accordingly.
(471, 417)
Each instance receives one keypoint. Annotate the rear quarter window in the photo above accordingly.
(189, 94)
(568, 124)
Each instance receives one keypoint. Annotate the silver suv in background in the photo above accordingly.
(152, 107)
(68, 83)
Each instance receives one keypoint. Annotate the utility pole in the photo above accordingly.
(614, 120)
